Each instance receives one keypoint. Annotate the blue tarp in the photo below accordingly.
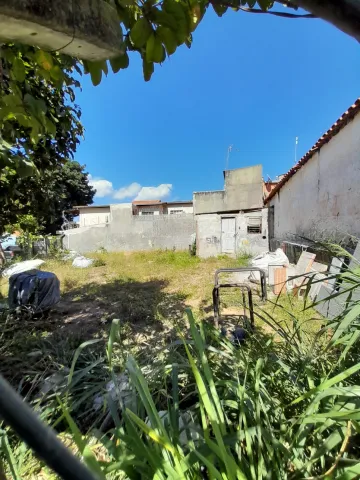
(7, 241)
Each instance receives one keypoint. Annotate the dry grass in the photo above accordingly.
(147, 291)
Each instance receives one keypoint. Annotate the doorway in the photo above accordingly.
(228, 235)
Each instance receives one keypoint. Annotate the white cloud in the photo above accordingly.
(154, 193)
(103, 187)
(127, 192)
(134, 191)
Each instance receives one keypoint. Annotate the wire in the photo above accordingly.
(73, 29)
(41, 438)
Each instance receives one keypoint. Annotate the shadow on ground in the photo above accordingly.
(149, 317)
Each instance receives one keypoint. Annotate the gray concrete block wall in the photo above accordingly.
(243, 191)
(127, 232)
(208, 234)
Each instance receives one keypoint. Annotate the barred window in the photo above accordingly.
(254, 225)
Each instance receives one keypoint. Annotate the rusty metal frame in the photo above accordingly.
(243, 287)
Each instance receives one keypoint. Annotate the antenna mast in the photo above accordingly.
(229, 150)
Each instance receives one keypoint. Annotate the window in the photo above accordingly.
(144, 212)
(175, 212)
(254, 225)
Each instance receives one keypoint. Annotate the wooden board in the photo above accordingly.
(280, 277)
(303, 266)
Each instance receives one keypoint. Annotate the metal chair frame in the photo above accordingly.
(244, 289)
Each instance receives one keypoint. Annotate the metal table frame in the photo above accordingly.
(243, 287)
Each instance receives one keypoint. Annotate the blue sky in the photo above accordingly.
(254, 81)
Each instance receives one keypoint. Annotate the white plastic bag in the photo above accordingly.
(22, 267)
(82, 262)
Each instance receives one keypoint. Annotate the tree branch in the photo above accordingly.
(343, 14)
(235, 5)
(277, 14)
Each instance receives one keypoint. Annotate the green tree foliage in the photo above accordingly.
(38, 117)
(40, 130)
(155, 29)
(152, 28)
(47, 196)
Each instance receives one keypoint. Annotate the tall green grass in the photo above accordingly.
(260, 410)
(207, 408)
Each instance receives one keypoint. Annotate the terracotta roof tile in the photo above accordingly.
(146, 202)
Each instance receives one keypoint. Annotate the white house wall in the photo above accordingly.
(150, 208)
(94, 216)
(322, 200)
(184, 208)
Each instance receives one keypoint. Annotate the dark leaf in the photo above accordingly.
(165, 19)
(219, 9)
(265, 4)
(57, 74)
(95, 69)
(140, 32)
(182, 17)
(148, 70)
(168, 38)
(154, 49)
(117, 63)
(44, 59)
(18, 69)
(25, 168)
(188, 41)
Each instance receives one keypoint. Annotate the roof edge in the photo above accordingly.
(340, 123)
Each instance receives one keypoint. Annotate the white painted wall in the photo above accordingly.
(322, 200)
(186, 208)
(149, 208)
(93, 216)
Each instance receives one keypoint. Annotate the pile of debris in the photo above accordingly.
(319, 281)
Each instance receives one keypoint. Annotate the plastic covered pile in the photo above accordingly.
(22, 267)
(270, 258)
(82, 262)
(38, 291)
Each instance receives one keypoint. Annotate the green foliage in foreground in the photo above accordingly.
(261, 410)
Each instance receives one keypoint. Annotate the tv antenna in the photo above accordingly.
(229, 150)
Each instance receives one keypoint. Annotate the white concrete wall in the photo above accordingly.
(93, 216)
(186, 208)
(156, 209)
(322, 200)
(208, 234)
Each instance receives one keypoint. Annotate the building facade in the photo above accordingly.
(157, 207)
(319, 198)
(92, 215)
(232, 221)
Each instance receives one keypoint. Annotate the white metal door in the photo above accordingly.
(228, 234)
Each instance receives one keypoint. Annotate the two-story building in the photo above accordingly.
(232, 220)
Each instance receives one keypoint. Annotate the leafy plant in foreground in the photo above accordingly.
(230, 420)
(208, 408)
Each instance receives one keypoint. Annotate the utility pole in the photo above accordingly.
(296, 143)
